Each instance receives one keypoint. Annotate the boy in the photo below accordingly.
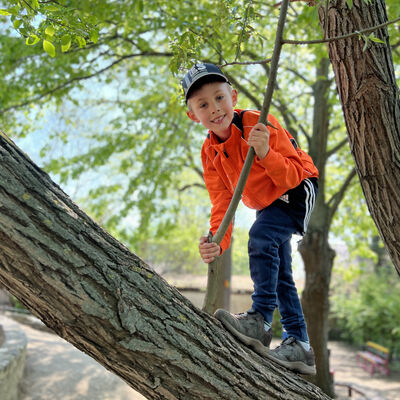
(282, 187)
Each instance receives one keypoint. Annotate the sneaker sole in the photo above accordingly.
(295, 366)
(255, 344)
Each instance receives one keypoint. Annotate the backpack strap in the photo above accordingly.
(238, 121)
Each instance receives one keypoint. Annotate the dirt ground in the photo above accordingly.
(55, 370)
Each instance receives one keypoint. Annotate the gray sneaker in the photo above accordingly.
(293, 356)
(248, 327)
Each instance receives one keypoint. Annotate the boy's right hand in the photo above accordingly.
(208, 251)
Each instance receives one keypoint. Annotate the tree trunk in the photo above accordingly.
(93, 292)
(218, 289)
(318, 261)
(224, 292)
(314, 249)
(371, 108)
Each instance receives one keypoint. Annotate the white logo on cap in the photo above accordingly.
(197, 69)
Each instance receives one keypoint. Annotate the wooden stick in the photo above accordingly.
(214, 268)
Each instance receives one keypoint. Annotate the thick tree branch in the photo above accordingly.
(107, 302)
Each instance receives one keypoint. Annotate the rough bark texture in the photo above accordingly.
(93, 292)
(371, 107)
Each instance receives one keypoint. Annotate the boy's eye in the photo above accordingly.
(220, 97)
(202, 105)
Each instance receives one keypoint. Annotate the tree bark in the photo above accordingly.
(106, 301)
(218, 283)
(225, 283)
(371, 107)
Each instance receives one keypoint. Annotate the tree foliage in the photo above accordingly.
(366, 304)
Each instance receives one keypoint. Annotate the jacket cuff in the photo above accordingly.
(270, 160)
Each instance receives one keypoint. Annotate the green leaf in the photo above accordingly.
(49, 48)
(50, 31)
(32, 40)
(349, 3)
(94, 36)
(4, 12)
(81, 41)
(375, 39)
(144, 45)
(52, 8)
(65, 43)
(17, 23)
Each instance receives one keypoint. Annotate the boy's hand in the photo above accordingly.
(208, 251)
(259, 140)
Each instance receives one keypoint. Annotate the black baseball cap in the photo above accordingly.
(200, 74)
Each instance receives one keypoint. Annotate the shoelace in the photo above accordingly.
(287, 342)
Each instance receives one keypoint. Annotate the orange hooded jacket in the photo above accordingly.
(284, 167)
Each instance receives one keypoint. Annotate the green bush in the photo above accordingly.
(367, 308)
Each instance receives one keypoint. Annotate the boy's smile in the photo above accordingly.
(212, 106)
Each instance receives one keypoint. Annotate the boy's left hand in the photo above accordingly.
(259, 140)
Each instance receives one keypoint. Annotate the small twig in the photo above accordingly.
(266, 61)
(336, 148)
(188, 186)
(311, 3)
(246, 92)
(300, 76)
(336, 199)
(349, 35)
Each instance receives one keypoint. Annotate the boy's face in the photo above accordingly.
(212, 106)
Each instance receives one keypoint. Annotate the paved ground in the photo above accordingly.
(376, 387)
(55, 370)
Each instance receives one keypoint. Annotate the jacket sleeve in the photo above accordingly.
(220, 198)
(282, 163)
